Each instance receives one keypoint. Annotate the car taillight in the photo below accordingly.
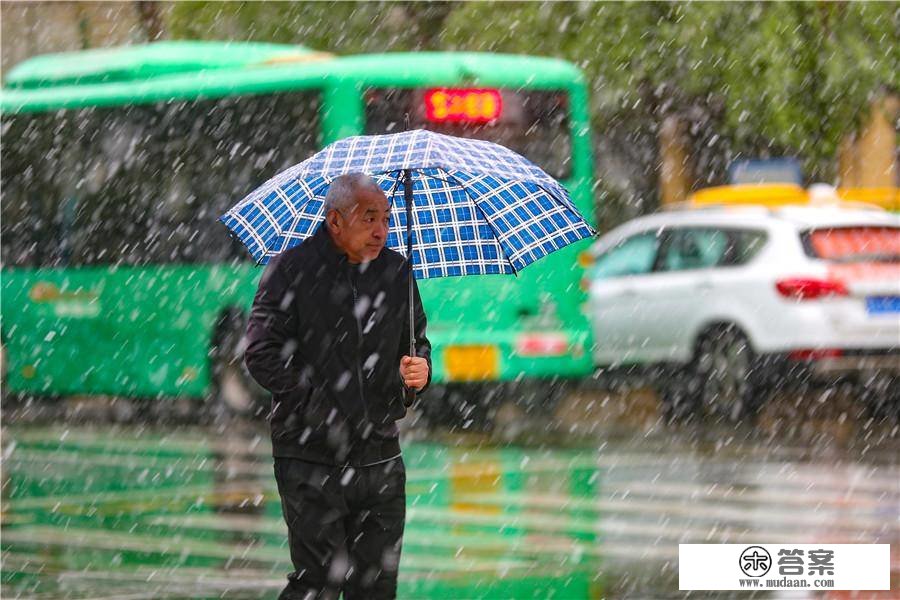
(815, 354)
(800, 288)
(585, 284)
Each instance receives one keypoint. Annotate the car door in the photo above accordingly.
(681, 292)
(616, 309)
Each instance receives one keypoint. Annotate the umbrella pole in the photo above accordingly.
(408, 199)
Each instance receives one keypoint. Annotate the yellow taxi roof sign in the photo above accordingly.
(763, 194)
(887, 198)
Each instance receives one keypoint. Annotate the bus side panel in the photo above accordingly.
(150, 329)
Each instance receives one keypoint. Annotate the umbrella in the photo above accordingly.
(469, 207)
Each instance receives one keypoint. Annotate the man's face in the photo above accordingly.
(361, 231)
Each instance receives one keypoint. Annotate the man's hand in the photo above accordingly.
(414, 372)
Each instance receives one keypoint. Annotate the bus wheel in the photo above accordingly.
(467, 407)
(235, 393)
(540, 398)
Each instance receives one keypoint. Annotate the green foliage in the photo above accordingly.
(340, 27)
(771, 77)
(793, 77)
(763, 78)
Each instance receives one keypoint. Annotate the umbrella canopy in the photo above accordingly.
(476, 207)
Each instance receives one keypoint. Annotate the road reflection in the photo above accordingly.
(104, 511)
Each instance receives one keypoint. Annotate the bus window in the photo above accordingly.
(37, 158)
(144, 184)
(533, 123)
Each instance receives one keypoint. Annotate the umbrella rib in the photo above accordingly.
(488, 221)
(235, 236)
(394, 189)
(567, 204)
(422, 171)
(396, 182)
(312, 196)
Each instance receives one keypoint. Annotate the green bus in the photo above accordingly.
(116, 277)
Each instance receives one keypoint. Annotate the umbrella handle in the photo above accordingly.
(408, 199)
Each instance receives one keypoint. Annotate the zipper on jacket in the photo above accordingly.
(359, 334)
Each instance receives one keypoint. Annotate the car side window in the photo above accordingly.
(632, 256)
(695, 248)
(746, 243)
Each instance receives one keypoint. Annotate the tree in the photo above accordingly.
(340, 27)
(747, 79)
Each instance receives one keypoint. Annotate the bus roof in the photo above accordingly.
(143, 61)
(135, 74)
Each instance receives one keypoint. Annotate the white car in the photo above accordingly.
(735, 298)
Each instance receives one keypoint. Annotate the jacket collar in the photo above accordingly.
(326, 248)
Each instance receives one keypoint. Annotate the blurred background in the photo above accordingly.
(720, 365)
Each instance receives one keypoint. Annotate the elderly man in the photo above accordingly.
(328, 336)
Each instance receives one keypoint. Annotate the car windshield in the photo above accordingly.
(854, 244)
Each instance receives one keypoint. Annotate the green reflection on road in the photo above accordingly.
(91, 513)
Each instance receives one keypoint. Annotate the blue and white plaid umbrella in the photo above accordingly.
(477, 208)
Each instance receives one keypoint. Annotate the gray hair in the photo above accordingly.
(342, 193)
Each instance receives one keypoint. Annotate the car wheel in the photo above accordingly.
(678, 394)
(235, 392)
(724, 375)
(881, 395)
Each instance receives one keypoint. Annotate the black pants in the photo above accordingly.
(345, 528)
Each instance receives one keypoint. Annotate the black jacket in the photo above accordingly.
(325, 337)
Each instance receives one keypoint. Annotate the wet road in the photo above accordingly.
(593, 506)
